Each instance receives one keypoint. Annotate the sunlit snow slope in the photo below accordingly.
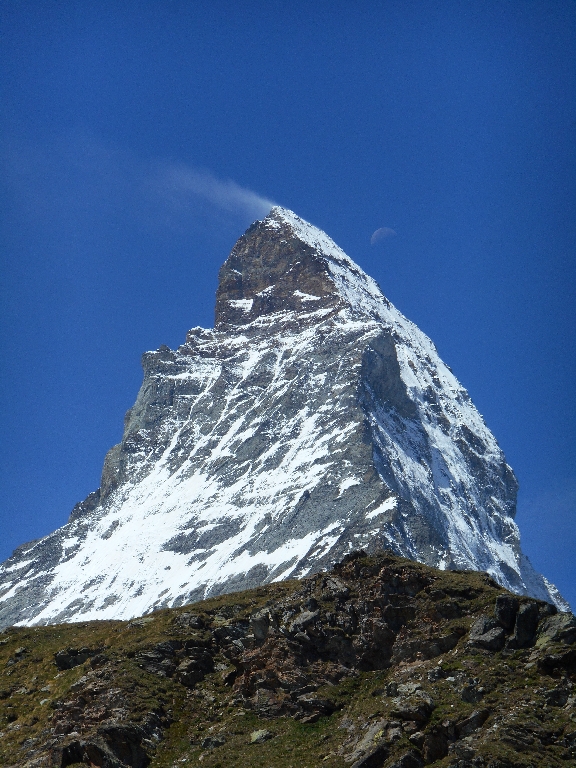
(314, 419)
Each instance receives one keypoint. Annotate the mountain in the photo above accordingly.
(313, 420)
(380, 663)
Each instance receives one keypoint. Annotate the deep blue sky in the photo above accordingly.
(454, 123)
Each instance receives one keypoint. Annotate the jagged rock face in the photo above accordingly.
(314, 419)
(271, 270)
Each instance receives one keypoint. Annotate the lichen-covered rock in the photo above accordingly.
(557, 629)
(260, 736)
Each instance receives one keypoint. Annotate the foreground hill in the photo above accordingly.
(380, 662)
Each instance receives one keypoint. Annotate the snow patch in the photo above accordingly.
(306, 296)
(348, 482)
(244, 304)
(386, 506)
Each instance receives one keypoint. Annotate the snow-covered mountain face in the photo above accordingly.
(313, 420)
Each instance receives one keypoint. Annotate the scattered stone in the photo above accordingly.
(260, 624)
(260, 736)
(408, 760)
(277, 677)
(211, 742)
(73, 657)
(472, 723)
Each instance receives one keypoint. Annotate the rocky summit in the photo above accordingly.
(313, 420)
(380, 663)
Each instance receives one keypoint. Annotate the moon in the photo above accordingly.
(381, 234)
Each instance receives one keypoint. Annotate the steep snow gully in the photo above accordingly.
(314, 419)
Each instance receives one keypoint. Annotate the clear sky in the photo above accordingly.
(140, 139)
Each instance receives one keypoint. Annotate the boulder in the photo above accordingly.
(260, 624)
(525, 626)
(505, 611)
(417, 707)
(560, 628)
(73, 657)
(189, 621)
(472, 723)
(373, 759)
(556, 697)
(303, 620)
(485, 633)
(193, 669)
(434, 744)
(565, 660)
(260, 736)
(211, 742)
(408, 760)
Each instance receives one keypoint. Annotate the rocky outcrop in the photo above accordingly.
(375, 664)
(313, 420)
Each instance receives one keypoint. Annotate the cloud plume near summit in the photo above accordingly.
(84, 174)
(224, 194)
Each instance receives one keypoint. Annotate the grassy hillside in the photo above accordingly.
(382, 662)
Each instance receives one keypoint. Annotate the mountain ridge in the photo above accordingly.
(313, 419)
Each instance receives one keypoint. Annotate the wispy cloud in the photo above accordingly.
(83, 175)
(181, 180)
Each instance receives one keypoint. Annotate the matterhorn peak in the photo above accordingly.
(284, 264)
(313, 420)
